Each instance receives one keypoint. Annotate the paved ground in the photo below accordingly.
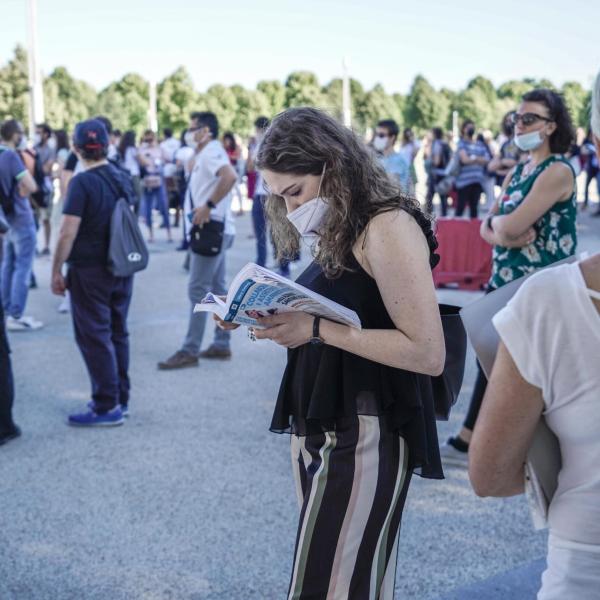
(193, 498)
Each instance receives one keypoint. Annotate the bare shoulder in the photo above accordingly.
(395, 224)
(559, 172)
(392, 236)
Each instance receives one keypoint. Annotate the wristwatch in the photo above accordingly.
(211, 204)
(316, 339)
(488, 222)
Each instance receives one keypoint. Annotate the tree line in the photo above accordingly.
(69, 100)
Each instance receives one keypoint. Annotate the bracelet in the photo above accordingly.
(488, 222)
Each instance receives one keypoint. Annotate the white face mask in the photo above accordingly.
(380, 143)
(308, 217)
(37, 139)
(529, 141)
(190, 139)
(23, 144)
(52, 143)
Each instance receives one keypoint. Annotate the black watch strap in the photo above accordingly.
(316, 327)
(316, 339)
(211, 204)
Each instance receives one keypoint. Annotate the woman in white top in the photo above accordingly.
(547, 364)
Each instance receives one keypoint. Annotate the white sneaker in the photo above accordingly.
(451, 456)
(24, 323)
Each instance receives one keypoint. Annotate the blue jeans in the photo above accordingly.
(17, 261)
(207, 274)
(260, 229)
(155, 198)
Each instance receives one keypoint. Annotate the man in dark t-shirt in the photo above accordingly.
(99, 300)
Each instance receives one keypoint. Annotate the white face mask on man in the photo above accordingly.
(380, 143)
(309, 217)
(189, 139)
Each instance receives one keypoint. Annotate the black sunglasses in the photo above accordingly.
(528, 118)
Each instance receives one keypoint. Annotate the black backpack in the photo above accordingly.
(43, 195)
(127, 251)
(7, 201)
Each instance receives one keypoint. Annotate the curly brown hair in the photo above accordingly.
(301, 141)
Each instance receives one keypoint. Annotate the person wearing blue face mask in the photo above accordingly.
(532, 223)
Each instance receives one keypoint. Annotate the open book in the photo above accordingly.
(257, 292)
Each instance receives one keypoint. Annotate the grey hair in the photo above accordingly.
(595, 120)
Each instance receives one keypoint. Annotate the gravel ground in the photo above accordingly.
(193, 498)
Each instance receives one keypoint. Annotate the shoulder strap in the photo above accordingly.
(114, 185)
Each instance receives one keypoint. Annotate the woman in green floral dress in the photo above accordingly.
(532, 223)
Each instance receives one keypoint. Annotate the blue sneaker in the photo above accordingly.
(124, 409)
(93, 419)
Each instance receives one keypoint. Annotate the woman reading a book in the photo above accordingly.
(350, 397)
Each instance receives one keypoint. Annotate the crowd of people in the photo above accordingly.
(348, 398)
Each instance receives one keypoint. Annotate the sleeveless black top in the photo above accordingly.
(323, 385)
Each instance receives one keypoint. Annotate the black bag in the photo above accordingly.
(7, 201)
(127, 251)
(43, 196)
(208, 239)
(446, 387)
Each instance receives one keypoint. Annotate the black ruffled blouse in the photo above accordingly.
(323, 386)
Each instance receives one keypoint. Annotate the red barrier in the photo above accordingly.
(466, 259)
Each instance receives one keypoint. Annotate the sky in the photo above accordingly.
(385, 41)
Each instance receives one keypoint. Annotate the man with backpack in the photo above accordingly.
(441, 153)
(100, 294)
(16, 184)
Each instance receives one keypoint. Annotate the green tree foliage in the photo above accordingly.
(125, 102)
(176, 98)
(376, 105)
(576, 97)
(274, 94)
(69, 100)
(513, 90)
(302, 89)
(425, 107)
(222, 101)
(333, 103)
(14, 88)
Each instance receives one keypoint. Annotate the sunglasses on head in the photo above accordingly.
(528, 118)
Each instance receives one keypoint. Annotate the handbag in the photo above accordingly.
(208, 239)
(446, 387)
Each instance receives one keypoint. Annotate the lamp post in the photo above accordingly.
(346, 106)
(36, 91)
(152, 114)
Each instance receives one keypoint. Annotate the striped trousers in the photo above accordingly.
(351, 485)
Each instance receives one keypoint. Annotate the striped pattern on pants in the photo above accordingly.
(351, 485)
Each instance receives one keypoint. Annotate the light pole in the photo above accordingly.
(346, 107)
(36, 91)
(152, 116)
